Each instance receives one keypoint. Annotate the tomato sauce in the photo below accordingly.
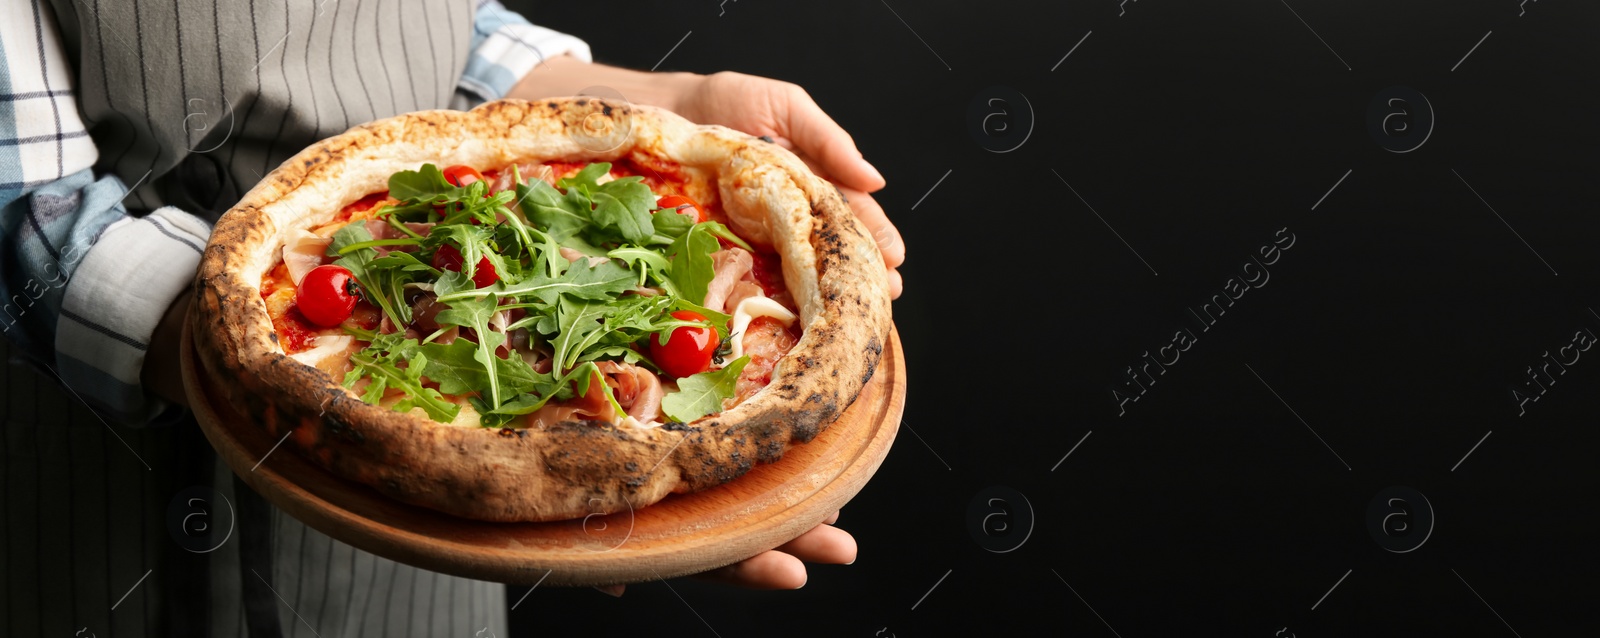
(662, 178)
(767, 268)
(274, 280)
(361, 205)
(294, 331)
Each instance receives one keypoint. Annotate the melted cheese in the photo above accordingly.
(748, 310)
(326, 346)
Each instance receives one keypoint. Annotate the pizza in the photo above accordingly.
(536, 311)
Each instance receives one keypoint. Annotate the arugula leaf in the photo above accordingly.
(473, 202)
(456, 369)
(451, 282)
(358, 332)
(618, 210)
(546, 257)
(692, 267)
(403, 261)
(351, 233)
(426, 184)
(561, 216)
(624, 353)
(575, 322)
(702, 394)
(380, 361)
(581, 280)
(632, 254)
(718, 320)
(625, 204)
(717, 229)
(670, 222)
(587, 177)
(474, 313)
(653, 266)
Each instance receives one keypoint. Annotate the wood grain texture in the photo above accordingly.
(681, 535)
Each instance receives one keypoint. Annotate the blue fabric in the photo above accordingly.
(35, 267)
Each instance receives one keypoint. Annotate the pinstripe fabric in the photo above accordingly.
(86, 520)
(192, 102)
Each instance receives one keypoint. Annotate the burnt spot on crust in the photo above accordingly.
(767, 139)
(771, 450)
(338, 428)
(506, 433)
(273, 336)
(676, 426)
(605, 109)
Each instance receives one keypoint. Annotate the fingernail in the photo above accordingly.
(803, 582)
(873, 170)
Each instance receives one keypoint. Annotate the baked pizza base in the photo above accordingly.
(830, 265)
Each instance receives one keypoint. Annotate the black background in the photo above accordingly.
(1396, 327)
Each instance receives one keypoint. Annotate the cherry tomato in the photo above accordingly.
(685, 206)
(688, 350)
(447, 257)
(462, 175)
(327, 295)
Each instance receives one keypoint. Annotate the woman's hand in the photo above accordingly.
(784, 567)
(787, 114)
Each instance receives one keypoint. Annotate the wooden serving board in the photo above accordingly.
(682, 534)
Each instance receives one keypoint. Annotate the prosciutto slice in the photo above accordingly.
(303, 252)
(527, 171)
(573, 255)
(731, 265)
(638, 390)
(424, 309)
(591, 405)
(765, 341)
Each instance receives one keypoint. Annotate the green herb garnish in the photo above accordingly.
(579, 311)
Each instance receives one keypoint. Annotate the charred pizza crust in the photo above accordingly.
(830, 265)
